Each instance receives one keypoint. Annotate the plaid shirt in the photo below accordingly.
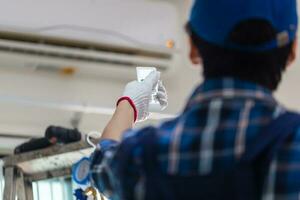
(221, 118)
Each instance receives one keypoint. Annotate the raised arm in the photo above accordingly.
(132, 107)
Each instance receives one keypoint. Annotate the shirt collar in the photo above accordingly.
(229, 88)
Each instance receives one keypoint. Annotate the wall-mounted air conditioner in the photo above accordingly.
(90, 37)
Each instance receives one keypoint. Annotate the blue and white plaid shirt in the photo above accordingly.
(221, 118)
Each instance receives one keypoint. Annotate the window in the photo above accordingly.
(53, 189)
(1, 187)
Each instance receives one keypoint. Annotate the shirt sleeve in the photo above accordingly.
(101, 160)
(116, 168)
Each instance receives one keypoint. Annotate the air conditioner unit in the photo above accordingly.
(96, 37)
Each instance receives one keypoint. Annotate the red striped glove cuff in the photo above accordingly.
(132, 105)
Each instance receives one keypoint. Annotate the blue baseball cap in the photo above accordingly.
(213, 20)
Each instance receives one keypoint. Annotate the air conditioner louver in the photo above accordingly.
(51, 54)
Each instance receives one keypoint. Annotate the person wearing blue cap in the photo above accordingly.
(233, 140)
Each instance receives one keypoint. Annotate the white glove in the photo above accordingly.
(162, 96)
(139, 95)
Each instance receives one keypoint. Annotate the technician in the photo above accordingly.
(244, 47)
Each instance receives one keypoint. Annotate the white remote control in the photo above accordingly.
(142, 73)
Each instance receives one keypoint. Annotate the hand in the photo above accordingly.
(139, 95)
(162, 96)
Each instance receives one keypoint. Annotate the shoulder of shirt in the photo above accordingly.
(296, 134)
(162, 134)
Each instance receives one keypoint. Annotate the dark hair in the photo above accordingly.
(264, 67)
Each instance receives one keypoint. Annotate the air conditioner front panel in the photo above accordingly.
(97, 38)
(135, 23)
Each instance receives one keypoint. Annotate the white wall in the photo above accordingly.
(289, 91)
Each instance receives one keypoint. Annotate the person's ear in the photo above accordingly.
(194, 53)
(293, 54)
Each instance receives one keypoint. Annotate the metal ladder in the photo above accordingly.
(20, 171)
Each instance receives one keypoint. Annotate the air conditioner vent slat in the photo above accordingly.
(69, 43)
(56, 55)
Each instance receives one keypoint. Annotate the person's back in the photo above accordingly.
(223, 118)
(244, 46)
